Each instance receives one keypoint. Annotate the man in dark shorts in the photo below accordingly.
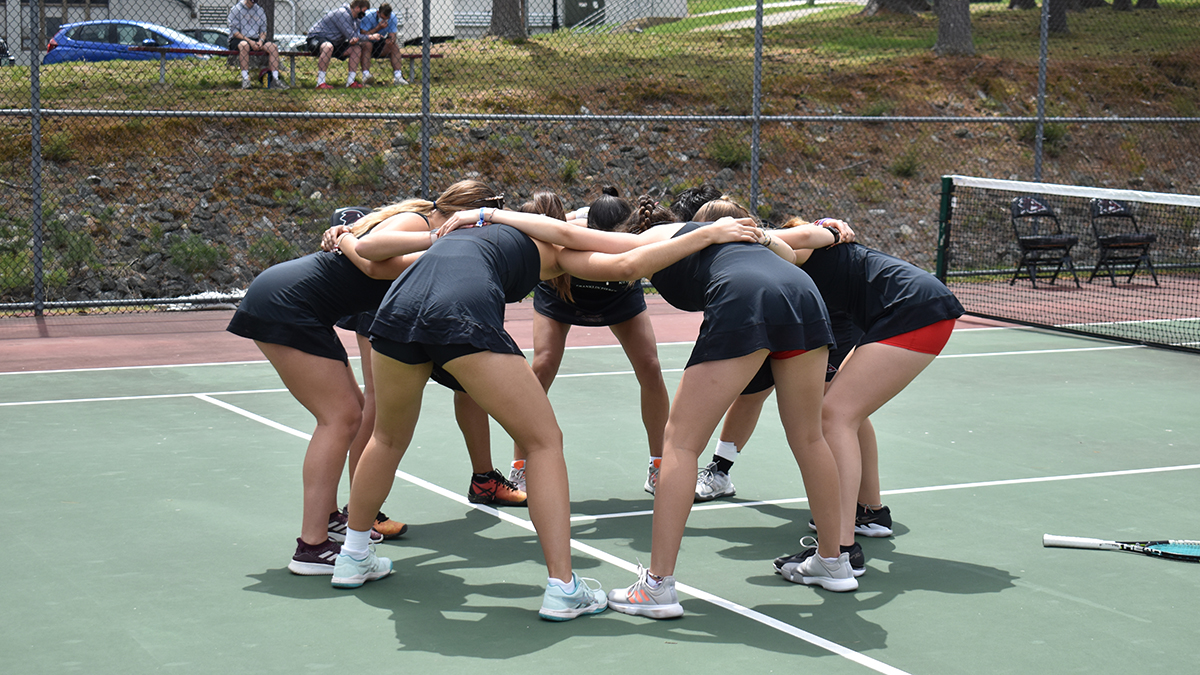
(336, 35)
(248, 32)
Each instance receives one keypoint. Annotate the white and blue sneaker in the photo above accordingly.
(588, 598)
(350, 572)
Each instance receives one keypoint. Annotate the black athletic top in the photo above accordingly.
(593, 303)
(751, 299)
(456, 291)
(882, 295)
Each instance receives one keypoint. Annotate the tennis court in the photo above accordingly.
(154, 509)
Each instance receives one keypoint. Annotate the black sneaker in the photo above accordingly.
(858, 562)
(868, 522)
(337, 528)
(314, 560)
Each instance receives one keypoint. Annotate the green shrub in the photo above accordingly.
(868, 190)
(728, 150)
(58, 148)
(906, 165)
(270, 250)
(569, 171)
(193, 254)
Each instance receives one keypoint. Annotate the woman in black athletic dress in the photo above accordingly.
(755, 305)
(901, 317)
(444, 318)
(619, 305)
(290, 310)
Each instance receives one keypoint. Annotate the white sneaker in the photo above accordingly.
(814, 571)
(399, 81)
(517, 477)
(713, 484)
(642, 600)
(246, 84)
(651, 478)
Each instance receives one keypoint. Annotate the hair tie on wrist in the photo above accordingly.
(481, 221)
(837, 235)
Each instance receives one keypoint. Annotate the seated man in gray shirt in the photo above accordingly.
(336, 35)
(248, 32)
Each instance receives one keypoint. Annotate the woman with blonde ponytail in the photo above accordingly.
(290, 310)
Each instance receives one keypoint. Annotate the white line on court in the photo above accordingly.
(815, 640)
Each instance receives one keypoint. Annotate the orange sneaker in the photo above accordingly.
(389, 528)
(494, 488)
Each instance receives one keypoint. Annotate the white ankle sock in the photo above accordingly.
(320, 77)
(356, 543)
(567, 587)
(726, 450)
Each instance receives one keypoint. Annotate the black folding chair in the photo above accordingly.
(1041, 239)
(1120, 240)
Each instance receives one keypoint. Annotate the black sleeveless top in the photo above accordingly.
(882, 295)
(593, 303)
(751, 299)
(456, 291)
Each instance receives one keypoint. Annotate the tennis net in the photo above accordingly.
(1118, 264)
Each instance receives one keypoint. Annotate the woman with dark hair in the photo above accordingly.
(290, 310)
(760, 312)
(444, 318)
(569, 301)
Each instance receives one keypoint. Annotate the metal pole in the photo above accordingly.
(426, 121)
(944, 214)
(35, 152)
(1041, 95)
(756, 102)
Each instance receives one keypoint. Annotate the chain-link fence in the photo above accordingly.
(137, 170)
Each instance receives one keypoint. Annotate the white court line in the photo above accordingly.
(815, 640)
(910, 491)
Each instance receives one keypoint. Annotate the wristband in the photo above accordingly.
(837, 234)
(481, 220)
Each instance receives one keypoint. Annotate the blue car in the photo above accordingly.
(108, 40)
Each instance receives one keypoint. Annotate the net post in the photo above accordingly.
(944, 226)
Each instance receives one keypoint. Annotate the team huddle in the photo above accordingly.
(834, 328)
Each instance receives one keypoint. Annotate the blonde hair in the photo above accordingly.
(719, 208)
(463, 195)
(794, 221)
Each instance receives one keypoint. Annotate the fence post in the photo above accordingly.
(426, 122)
(1041, 95)
(944, 213)
(35, 152)
(756, 102)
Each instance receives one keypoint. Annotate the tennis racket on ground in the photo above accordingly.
(1175, 549)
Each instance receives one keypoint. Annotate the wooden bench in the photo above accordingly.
(262, 73)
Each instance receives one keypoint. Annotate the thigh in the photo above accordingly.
(549, 336)
(705, 392)
(504, 385)
(325, 387)
(875, 374)
(799, 389)
(637, 339)
(399, 388)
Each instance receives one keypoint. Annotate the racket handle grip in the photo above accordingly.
(1055, 540)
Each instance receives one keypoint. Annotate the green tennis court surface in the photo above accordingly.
(151, 513)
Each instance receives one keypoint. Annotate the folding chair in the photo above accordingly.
(1119, 239)
(1041, 239)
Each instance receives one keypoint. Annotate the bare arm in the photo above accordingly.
(555, 231)
(646, 260)
(386, 268)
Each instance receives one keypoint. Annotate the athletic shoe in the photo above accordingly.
(388, 528)
(349, 572)
(812, 570)
(588, 598)
(399, 81)
(276, 83)
(356, 85)
(245, 84)
(493, 488)
(324, 85)
(337, 527)
(642, 600)
(314, 560)
(713, 484)
(516, 476)
(652, 478)
(867, 522)
(858, 562)
(369, 80)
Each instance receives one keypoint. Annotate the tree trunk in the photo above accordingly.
(1147, 4)
(1058, 16)
(954, 29)
(895, 7)
(508, 20)
(1122, 6)
(1022, 4)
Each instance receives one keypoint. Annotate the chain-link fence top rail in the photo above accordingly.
(164, 177)
(1153, 299)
